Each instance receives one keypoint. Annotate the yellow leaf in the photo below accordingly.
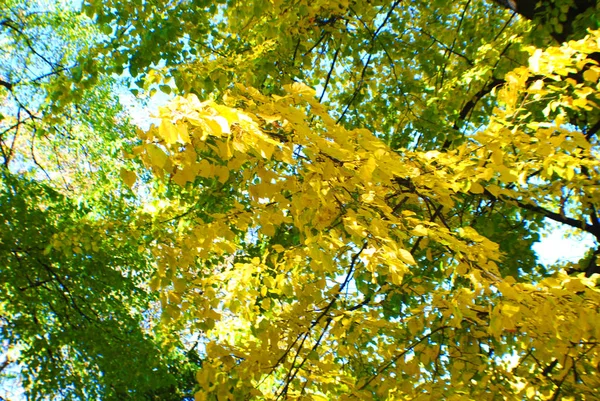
(183, 133)
(185, 175)
(219, 125)
(154, 283)
(266, 150)
(167, 131)
(419, 231)
(580, 102)
(534, 61)
(476, 188)
(269, 230)
(179, 284)
(157, 156)
(368, 197)
(406, 257)
(222, 173)
(414, 325)
(537, 85)
(494, 189)
(225, 151)
(128, 177)
(497, 156)
(127, 155)
(510, 310)
(300, 88)
(206, 169)
(367, 169)
(462, 269)
(591, 74)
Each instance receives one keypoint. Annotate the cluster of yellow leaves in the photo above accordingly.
(289, 323)
(542, 157)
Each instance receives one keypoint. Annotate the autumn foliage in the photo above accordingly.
(338, 202)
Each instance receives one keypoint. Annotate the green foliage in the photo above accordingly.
(75, 306)
(69, 301)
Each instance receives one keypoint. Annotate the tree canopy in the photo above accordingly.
(338, 202)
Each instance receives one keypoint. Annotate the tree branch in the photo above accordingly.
(7, 85)
(295, 369)
(592, 131)
(335, 55)
(364, 70)
(400, 355)
(582, 225)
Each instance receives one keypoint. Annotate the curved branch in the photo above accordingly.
(559, 218)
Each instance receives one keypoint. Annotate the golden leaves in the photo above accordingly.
(592, 74)
(128, 177)
(406, 257)
(168, 131)
(342, 223)
(300, 89)
(157, 156)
